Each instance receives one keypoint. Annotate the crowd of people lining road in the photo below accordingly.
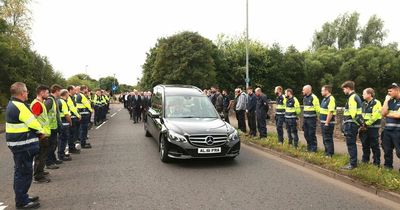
(43, 134)
(60, 118)
(361, 118)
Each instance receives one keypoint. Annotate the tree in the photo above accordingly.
(347, 29)
(373, 33)
(83, 79)
(326, 37)
(183, 58)
(18, 15)
(106, 83)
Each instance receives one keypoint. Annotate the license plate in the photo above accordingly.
(209, 150)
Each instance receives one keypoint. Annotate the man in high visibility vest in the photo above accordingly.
(75, 117)
(66, 122)
(391, 133)
(280, 112)
(369, 135)
(292, 113)
(327, 119)
(54, 124)
(310, 114)
(40, 112)
(99, 107)
(23, 133)
(84, 109)
(352, 120)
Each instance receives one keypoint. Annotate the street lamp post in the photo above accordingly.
(247, 44)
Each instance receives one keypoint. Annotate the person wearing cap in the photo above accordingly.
(352, 120)
(391, 133)
(369, 135)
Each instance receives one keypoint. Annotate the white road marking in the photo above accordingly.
(2, 207)
(101, 125)
(113, 114)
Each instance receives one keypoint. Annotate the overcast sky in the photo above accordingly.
(114, 36)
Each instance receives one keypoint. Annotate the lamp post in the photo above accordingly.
(247, 44)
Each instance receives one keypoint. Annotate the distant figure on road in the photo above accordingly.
(251, 111)
(136, 105)
(261, 112)
(327, 119)
(352, 120)
(280, 112)
(292, 113)
(240, 108)
(310, 112)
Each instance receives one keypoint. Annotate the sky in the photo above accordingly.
(112, 37)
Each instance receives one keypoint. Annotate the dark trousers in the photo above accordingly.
(262, 124)
(23, 175)
(63, 139)
(135, 115)
(370, 141)
(310, 128)
(327, 139)
(240, 116)
(98, 114)
(279, 120)
(350, 132)
(40, 158)
(291, 126)
(390, 141)
(226, 116)
(83, 128)
(51, 157)
(251, 121)
(73, 133)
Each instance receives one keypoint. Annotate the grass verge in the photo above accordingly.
(369, 174)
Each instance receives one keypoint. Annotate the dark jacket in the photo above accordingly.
(251, 102)
(136, 103)
(262, 104)
(219, 102)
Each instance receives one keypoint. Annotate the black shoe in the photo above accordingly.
(349, 167)
(42, 180)
(45, 173)
(58, 162)
(87, 143)
(87, 146)
(34, 198)
(52, 167)
(30, 205)
(74, 151)
(66, 158)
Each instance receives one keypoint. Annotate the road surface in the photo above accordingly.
(123, 171)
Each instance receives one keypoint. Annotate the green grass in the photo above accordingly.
(2, 117)
(369, 174)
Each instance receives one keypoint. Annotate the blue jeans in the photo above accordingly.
(279, 120)
(23, 172)
(291, 126)
(350, 132)
(309, 128)
(51, 157)
(327, 137)
(390, 141)
(63, 140)
(83, 128)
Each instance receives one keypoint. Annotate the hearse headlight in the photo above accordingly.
(234, 136)
(173, 136)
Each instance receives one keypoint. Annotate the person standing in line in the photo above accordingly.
(227, 104)
(310, 114)
(292, 113)
(261, 112)
(327, 119)
(280, 112)
(241, 109)
(54, 124)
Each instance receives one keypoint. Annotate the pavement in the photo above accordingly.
(340, 145)
(123, 171)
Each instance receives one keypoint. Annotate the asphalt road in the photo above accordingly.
(123, 171)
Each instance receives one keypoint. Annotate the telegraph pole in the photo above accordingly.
(247, 44)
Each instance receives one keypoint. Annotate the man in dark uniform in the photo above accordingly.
(227, 104)
(23, 133)
(261, 112)
(391, 134)
(251, 111)
(136, 104)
